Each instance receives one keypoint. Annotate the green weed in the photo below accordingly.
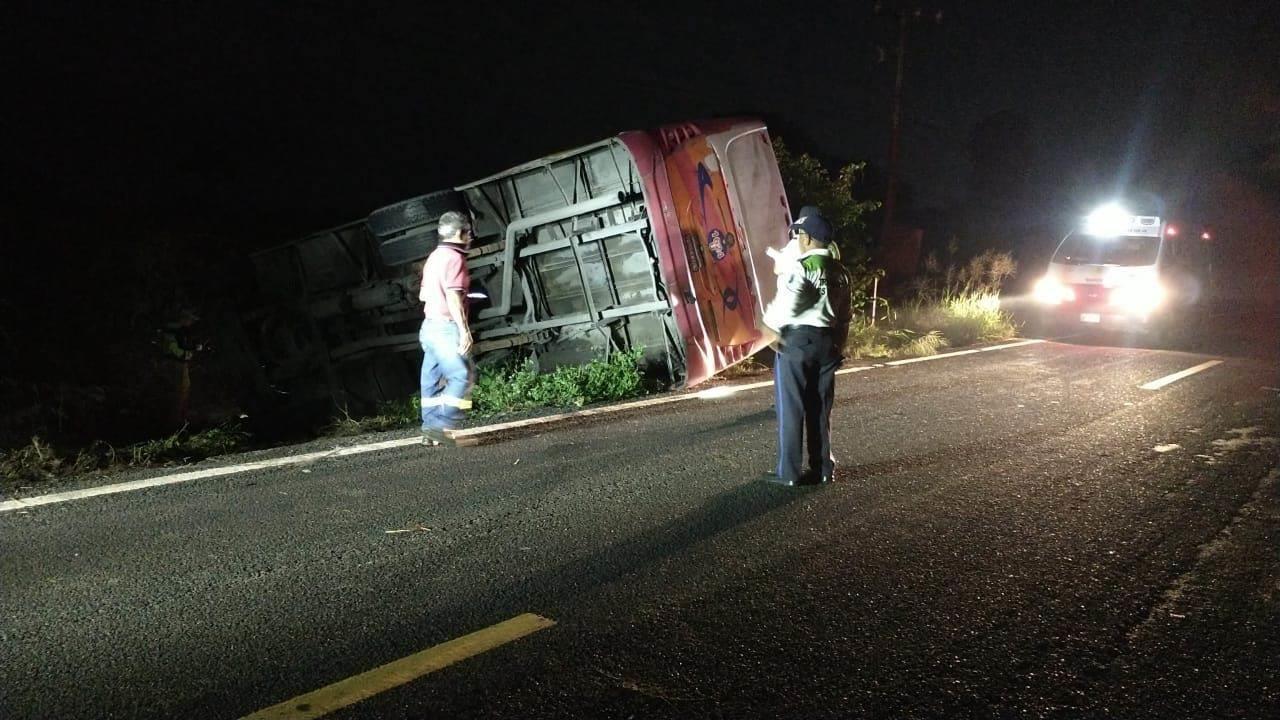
(867, 340)
(513, 388)
(394, 415)
(183, 446)
(908, 343)
(509, 389)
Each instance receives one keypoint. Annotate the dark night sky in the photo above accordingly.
(269, 120)
(319, 114)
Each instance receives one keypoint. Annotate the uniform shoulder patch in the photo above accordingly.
(814, 263)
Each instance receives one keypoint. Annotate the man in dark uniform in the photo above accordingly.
(811, 313)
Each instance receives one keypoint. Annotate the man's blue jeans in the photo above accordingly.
(446, 375)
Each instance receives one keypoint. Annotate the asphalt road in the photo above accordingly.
(1017, 533)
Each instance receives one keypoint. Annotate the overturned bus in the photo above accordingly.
(652, 240)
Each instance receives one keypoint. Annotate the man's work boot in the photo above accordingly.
(435, 436)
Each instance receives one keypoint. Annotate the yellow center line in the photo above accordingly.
(398, 672)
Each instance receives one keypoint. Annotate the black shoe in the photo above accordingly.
(817, 477)
(774, 479)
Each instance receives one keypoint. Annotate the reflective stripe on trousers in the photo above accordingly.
(457, 402)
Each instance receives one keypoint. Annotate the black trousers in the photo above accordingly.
(805, 388)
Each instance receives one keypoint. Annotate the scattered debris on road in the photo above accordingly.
(419, 528)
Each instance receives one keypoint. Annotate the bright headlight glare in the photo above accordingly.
(1138, 297)
(1052, 292)
(1107, 221)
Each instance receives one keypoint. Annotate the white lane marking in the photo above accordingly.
(468, 433)
(486, 429)
(1157, 384)
(723, 391)
(860, 368)
(958, 353)
(200, 474)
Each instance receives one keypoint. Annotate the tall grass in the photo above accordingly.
(886, 341)
(981, 275)
(948, 307)
(962, 319)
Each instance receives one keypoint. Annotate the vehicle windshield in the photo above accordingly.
(1081, 249)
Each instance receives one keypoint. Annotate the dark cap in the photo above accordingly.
(812, 222)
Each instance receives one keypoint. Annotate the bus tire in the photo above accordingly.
(414, 212)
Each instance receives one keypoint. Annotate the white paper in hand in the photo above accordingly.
(784, 259)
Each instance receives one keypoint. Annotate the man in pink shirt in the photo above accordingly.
(445, 336)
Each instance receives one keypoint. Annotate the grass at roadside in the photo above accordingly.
(918, 328)
(924, 327)
(516, 388)
(950, 306)
(41, 462)
(498, 390)
(512, 389)
(391, 416)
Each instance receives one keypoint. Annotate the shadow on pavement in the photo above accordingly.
(726, 511)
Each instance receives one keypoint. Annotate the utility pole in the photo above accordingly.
(906, 12)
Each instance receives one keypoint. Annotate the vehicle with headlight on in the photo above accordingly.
(1119, 271)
